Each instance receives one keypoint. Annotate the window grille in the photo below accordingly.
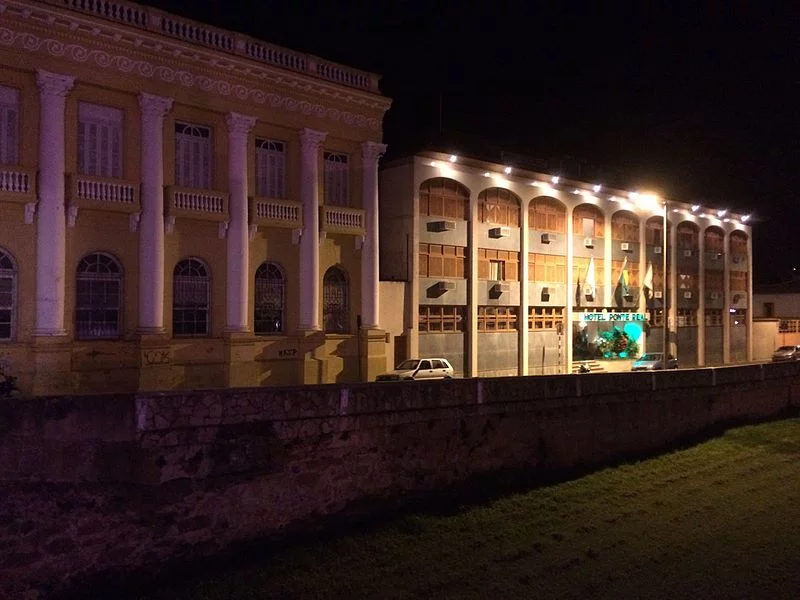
(337, 191)
(8, 296)
(98, 302)
(442, 197)
(270, 168)
(193, 149)
(497, 318)
(545, 318)
(99, 140)
(190, 298)
(269, 300)
(441, 319)
(335, 301)
(9, 126)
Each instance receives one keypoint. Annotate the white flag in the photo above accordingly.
(647, 282)
(588, 285)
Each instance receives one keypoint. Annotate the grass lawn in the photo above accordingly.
(718, 520)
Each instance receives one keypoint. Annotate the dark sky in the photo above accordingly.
(701, 103)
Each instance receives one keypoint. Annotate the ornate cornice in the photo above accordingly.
(165, 73)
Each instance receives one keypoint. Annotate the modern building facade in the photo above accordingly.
(181, 206)
(514, 272)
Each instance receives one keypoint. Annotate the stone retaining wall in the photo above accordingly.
(101, 485)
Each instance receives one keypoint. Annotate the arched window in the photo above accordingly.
(499, 206)
(269, 299)
(98, 302)
(335, 308)
(190, 298)
(443, 197)
(8, 296)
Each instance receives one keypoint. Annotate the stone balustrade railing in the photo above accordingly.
(210, 205)
(340, 219)
(88, 191)
(221, 40)
(268, 212)
(17, 183)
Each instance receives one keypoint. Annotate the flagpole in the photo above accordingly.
(665, 317)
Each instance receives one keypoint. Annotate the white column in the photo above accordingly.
(701, 304)
(310, 142)
(726, 294)
(51, 222)
(239, 127)
(524, 287)
(151, 225)
(672, 286)
(569, 322)
(370, 292)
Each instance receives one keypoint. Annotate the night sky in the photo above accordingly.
(699, 104)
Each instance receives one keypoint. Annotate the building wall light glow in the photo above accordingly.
(453, 158)
(507, 170)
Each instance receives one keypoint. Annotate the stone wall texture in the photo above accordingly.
(101, 486)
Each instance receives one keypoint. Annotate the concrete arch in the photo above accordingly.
(546, 213)
(444, 197)
(499, 205)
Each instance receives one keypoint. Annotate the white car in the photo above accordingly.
(654, 361)
(419, 368)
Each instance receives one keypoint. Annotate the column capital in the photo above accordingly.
(154, 106)
(372, 151)
(311, 139)
(239, 124)
(53, 84)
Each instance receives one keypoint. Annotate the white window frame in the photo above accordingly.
(99, 278)
(100, 140)
(271, 168)
(337, 178)
(9, 126)
(194, 150)
(497, 270)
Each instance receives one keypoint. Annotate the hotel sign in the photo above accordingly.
(612, 316)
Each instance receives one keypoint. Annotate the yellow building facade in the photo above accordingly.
(182, 206)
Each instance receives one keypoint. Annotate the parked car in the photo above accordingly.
(419, 368)
(786, 353)
(654, 361)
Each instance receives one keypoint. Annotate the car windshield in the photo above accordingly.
(650, 357)
(785, 349)
(408, 365)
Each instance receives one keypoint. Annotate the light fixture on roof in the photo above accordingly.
(745, 218)
(434, 163)
(726, 220)
(695, 208)
(722, 212)
(555, 179)
(612, 198)
(597, 187)
(633, 195)
(507, 170)
(576, 191)
(453, 158)
(487, 174)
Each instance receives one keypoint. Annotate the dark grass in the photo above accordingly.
(717, 520)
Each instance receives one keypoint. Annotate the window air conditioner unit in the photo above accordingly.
(548, 237)
(687, 253)
(500, 232)
(657, 250)
(625, 246)
(588, 242)
(501, 287)
(658, 294)
(714, 295)
(444, 225)
(446, 285)
(687, 295)
(545, 294)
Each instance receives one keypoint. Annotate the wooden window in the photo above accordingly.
(713, 280)
(714, 241)
(687, 237)
(498, 206)
(616, 268)
(98, 302)
(687, 280)
(437, 260)
(738, 242)
(545, 318)
(269, 301)
(441, 319)
(547, 267)
(442, 197)
(191, 293)
(498, 262)
(713, 317)
(270, 168)
(548, 214)
(588, 222)
(497, 318)
(580, 268)
(625, 228)
(738, 281)
(654, 232)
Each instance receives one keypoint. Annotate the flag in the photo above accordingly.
(647, 282)
(578, 293)
(588, 284)
(622, 285)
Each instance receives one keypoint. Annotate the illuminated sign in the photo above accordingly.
(612, 316)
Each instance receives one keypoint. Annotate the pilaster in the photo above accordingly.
(310, 143)
(370, 292)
